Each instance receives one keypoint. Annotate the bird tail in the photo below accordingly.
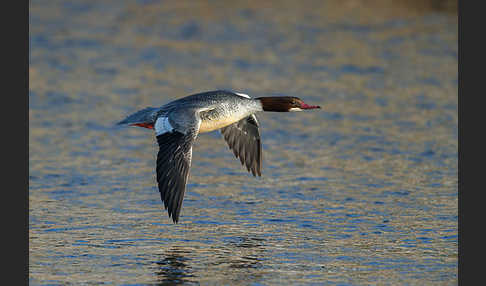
(143, 118)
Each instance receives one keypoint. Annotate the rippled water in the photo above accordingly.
(361, 192)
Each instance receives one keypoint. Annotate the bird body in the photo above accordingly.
(178, 123)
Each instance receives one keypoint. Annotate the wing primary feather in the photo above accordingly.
(243, 138)
(248, 156)
(241, 153)
(259, 162)
(254, 159)
(173, 163)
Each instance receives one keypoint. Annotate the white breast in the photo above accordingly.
(210, 125)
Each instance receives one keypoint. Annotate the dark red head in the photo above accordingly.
(284, 104)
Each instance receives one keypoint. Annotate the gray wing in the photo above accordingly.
(173, 164)
(175, 137)
(243, 138)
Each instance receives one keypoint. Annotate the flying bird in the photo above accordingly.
(177, 124)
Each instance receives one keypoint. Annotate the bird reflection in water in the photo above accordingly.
(239, 259)
(250, 253)
(173, 269)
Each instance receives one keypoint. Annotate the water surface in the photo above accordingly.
(361, 192)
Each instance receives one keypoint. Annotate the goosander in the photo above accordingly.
(177, 124)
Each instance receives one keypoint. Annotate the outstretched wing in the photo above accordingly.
(243, 138)
(173, 164)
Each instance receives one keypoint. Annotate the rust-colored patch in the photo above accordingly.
(144, 125)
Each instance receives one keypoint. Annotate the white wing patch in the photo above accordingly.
(162, 125)
(242, 94)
